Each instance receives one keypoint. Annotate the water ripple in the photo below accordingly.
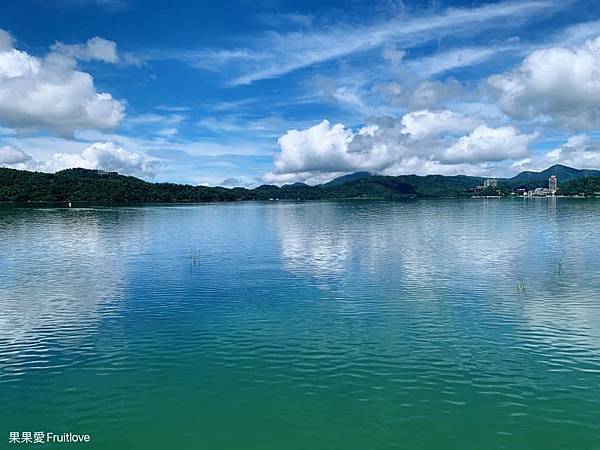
(304, 325)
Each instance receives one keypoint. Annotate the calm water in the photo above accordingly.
(304, 326)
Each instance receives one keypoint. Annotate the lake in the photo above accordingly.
(446, 324)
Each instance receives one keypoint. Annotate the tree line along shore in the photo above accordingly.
(85, 185)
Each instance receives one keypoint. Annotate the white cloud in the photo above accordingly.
(214, 59)
(13, 157)
(17, 65)
(242, 181)
(100, 155)
(579, 33)
(281, 53)
(453, 59)
(184, 160)
(164, 125)
(108, 156)
(6, 41)
(392, 54)
(579, 151)
(160, 119)
(489, 144)
(95, 49)
(558, 84)
(167, 132)
(321, 148)
(428, 94)
(420, 142)
(344, 92)
(51, 94)
(267, 128)
(425, 124)
(433, 94)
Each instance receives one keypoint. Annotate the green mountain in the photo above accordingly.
(347, 178)
(371, 186)
(83, 185)
(538, 179)
(589, 186)
(94, 186)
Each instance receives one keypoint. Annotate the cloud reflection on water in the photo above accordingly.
(69, 275)
(427, 250)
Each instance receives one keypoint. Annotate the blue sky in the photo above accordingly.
(245, 93)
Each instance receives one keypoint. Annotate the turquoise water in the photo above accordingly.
(304, 325)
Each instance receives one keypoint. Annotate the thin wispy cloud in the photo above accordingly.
(277, 53)
(454, 59)
(297, 50)
(577, 34)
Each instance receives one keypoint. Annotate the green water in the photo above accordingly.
(304, 325)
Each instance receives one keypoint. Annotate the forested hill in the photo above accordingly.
(537, 179)
(75, 185)
(83, 185)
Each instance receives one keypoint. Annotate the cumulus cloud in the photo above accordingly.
(13, 157)
(100, 155)
(579, 151)
(489, 144)
(51, 94)
(108, 156)
(558, 84)
(6, 41)
(95, 49)
(419, 142)
(425, 124)
(321, 148)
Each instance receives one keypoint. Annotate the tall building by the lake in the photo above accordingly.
(544, 192)
(553, 184)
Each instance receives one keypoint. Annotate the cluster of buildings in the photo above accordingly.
(541, 191)
(490, 188)
(490, 183)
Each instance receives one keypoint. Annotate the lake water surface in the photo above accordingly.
(353, 325)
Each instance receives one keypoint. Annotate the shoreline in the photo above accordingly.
(83, 204)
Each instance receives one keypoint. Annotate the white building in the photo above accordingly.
(553, 184)
(490, 183)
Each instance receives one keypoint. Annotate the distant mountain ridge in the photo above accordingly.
(347, 178)
(563, 173)
(84, 185)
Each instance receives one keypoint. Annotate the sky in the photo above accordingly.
(239, 93)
